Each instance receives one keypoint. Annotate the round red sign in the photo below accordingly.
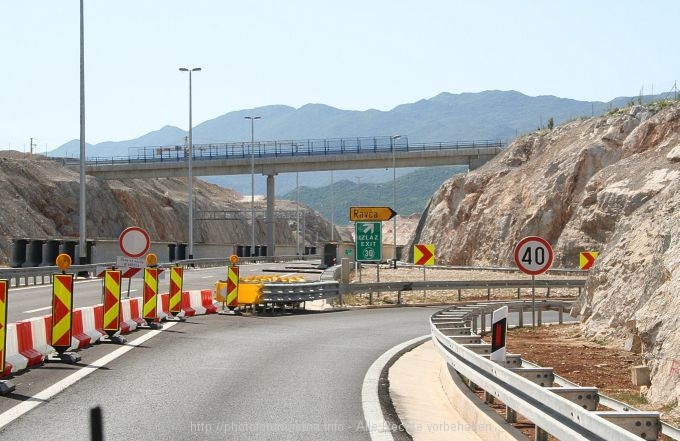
(533, 255)
(134, 242)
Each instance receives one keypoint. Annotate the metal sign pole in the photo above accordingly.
(533, 301)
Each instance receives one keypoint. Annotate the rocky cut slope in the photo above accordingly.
(609, 184)
(41, 201)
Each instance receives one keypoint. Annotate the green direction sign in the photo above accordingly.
(368, 236)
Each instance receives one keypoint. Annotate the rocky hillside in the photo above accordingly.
(610, 184)
(41, 199)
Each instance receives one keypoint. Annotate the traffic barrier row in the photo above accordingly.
(27, 341)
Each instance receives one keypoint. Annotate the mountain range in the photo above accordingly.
(494, 114)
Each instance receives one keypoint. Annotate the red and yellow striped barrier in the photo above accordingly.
(62, 305)
(3, 325)
(111, 323)
(176, 282)
(150, 301)
(232, 287)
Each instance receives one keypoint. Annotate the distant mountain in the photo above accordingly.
(445, 117)
(413, 192)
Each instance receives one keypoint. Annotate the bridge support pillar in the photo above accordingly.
(270, 221)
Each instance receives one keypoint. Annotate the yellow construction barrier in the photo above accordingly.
(221, 291)
(249, 293)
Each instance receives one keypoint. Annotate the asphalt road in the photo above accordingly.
(293, 377)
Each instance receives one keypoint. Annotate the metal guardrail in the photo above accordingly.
(41, 275)
(668, 430)
(461, 284)
(276, 293)
(549, 411)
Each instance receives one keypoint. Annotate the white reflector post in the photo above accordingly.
(499, 326)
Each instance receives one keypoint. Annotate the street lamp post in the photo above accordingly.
(394, 198)
(189, 162)
(252, 182)
(297, 213)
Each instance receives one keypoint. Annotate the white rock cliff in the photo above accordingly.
(609, 184)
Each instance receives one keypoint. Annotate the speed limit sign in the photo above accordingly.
(533, 255)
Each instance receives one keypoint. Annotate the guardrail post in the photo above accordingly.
(488, 398)
(459, 294)
(510, 415)
(540, 434)
(482, 331)
(547, 294)
(474, 324)
(560, 313)
(520, 318)
(518, 293)
(488, 293)
(540, 317)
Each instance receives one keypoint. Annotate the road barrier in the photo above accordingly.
(43, 275)
(561, 412)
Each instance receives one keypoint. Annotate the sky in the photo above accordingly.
(349, 54)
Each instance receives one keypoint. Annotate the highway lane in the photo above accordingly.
(294, 377)
(33, 301)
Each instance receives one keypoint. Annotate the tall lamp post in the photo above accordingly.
(394, 197)
(191, 175)
(252, 182)
(82, 242)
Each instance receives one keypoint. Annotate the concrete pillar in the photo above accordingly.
(18, 253)
(50, 252)
(171, 251)
(271, 222)
(68, 247)
(34, 252)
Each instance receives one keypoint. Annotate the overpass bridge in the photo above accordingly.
(270, 158)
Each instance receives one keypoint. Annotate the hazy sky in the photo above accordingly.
(350, 54)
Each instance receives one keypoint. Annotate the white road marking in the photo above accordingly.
(31, 311)
(44, 396)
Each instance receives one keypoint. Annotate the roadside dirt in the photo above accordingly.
(601, 364)
(598, 363)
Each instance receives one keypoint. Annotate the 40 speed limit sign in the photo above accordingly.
(533, 255)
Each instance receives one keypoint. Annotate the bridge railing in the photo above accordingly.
(265, 149)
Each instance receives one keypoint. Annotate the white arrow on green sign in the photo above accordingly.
(368, 238)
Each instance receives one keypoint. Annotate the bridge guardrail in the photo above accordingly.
(551, 412)
(265, 149)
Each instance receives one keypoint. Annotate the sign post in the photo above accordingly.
(533, 255)
(423, 255)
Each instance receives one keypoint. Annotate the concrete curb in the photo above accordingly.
(370, 399)
(469, 407)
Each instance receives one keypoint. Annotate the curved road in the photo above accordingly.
(293, 377)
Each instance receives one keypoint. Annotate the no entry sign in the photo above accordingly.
(134, 242)
(533, 255)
